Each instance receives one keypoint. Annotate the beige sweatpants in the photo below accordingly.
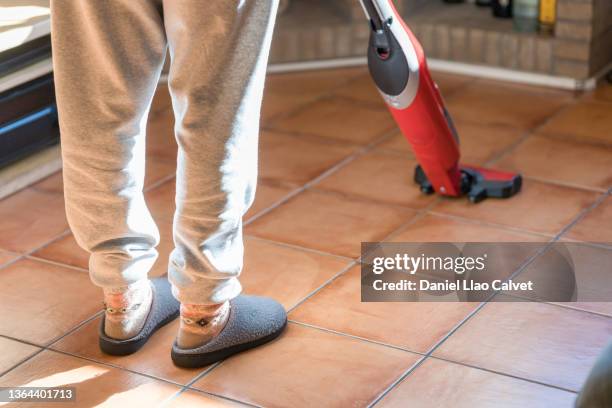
(107, 59)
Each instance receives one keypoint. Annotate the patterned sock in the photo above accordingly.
(127, 309)
(200, 323)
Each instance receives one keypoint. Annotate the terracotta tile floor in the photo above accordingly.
(334, 172)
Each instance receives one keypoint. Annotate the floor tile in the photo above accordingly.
(311, 83)
(329, 222)
(64, 250)
(584, 121)
(494, 103)
(573, 269)
(30, 219)
(158, 169)
(565, 161)
(297, 159)
(438, 383)
(338, 119)
(284, 93)
(14, 352)
(6, 256)
(434, 228)
(95, 385)
(286, 274)
(277, 104)
(196, 399)
(411, 325)
(51, 299)
(52, 184)
(602, 93)
(308, 367)
(595, 226)
(161, 100)
(527, 210)
(161, 141)
(362, 89)
(380, 177)
(536, 341)
(153, 359)
(268, 193)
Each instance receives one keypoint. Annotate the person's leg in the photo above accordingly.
(107, 58)
(597, 389)
(219, 52)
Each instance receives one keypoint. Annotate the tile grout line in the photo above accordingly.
(530, 132)
(502, 374)
(380, 139)
(567, 184)
(11, 368)
(484, 303)
(355, 337)
(300, 248)
(453, 330)
(50, 343)
(328, 94)
(56, 263)
(344, 162)
(491, 224)
(342, 272)
(188, 387)
(582, 214)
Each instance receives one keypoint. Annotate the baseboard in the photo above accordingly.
(29, 170)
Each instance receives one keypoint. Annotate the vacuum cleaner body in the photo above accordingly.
(398, 66)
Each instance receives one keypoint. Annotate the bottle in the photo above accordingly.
(548, 15)
(526, 13)
(502, 8)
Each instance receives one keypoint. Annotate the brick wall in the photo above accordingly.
(580, 47)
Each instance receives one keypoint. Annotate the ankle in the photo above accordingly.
(200, 323)
(126, 309)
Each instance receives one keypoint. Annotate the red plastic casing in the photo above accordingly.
(425, 126)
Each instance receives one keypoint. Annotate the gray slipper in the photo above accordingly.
(164, 309)
(252, 322)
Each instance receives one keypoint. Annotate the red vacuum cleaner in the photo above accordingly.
(398, 66)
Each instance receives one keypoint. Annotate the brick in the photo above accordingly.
(343, 41)
(526, 53)
(361, 35)
(458, 44)
(326, 42)
(572, 30)
(573, 10)
(442, 42)
(544, 56)
(509, 50)
(572, 69)
(427, 38)
(572, 50)
(308, 44)
(476, 40)
(492, 48)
